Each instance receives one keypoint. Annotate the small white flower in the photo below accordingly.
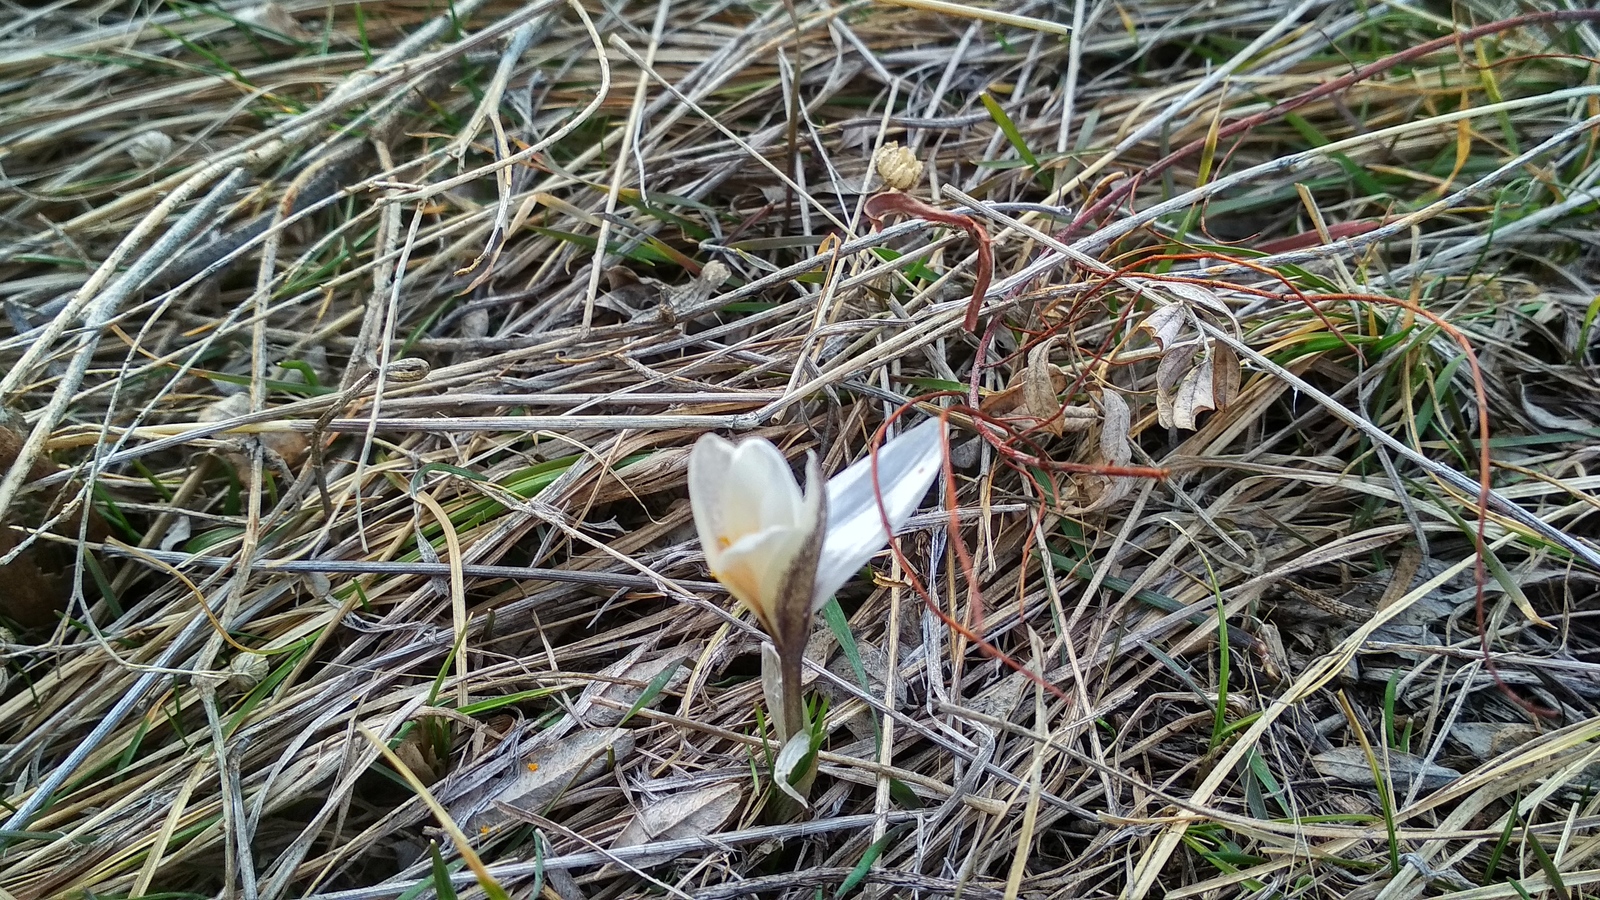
(766, 541)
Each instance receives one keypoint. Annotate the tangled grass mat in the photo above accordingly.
(353, 352)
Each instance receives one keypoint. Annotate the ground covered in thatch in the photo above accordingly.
(352, 353)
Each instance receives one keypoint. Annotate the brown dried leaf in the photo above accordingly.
(35, 594)
(418, 756)
(1225, 376)
(290, 445)
(1174, 365)
(1078, 418)
(1486, 740)
(551, 770)
(1351, 766)
(1164, 409)
(278, 22)
(1193, 395)
(1115, 445)
(1039, 395)
(1115, 448)
(693, 813)
(1164, 324)
(38, 584)
(1548, 420)
(1003, 402)
(621, 684)
(1199, 295)
(1015, 398)
(1189, 382)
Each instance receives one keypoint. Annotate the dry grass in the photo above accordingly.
(384, 463)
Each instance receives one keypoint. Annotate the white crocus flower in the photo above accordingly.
(782, 552)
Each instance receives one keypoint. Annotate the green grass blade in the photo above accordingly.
(1009, 129)
(868, 858)
(651, 692)
(441, 874)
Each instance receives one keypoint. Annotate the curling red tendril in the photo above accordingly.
(992, 430)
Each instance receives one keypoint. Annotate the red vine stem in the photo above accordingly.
(886, 203)
(1119, 192)
(1485, 460)
(964, 556)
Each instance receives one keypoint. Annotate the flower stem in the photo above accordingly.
(792, 716)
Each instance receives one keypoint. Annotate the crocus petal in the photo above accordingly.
(792, 591)
(907, 465)
(759, 485)
(753, 568)
(739, 489)
(761, 536)
(709, 464)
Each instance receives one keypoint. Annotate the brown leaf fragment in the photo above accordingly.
(549, 771)
(1003, 402)
(661, 470)
(1174, 365)
(1484, 741)
(1225, 374)
(291, 446)
(1115, 444)
(1163, 325)
(1039, 395)
(1193, 379)
(688, 814)
(38, 583)
(691, 299)
(1078, 418)
(1115, 447)
(1351, 766)
(280, 24)
(417, 753)
(1193, 395)
(13, 434)
(1164, 409)
(1034, 392)
(35, 594)
(621, 684)
(1025, 394)
(1199, 295)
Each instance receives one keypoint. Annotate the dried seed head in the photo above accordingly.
(714, 274)
(898, 166)
(149, 147)
(247, 670)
